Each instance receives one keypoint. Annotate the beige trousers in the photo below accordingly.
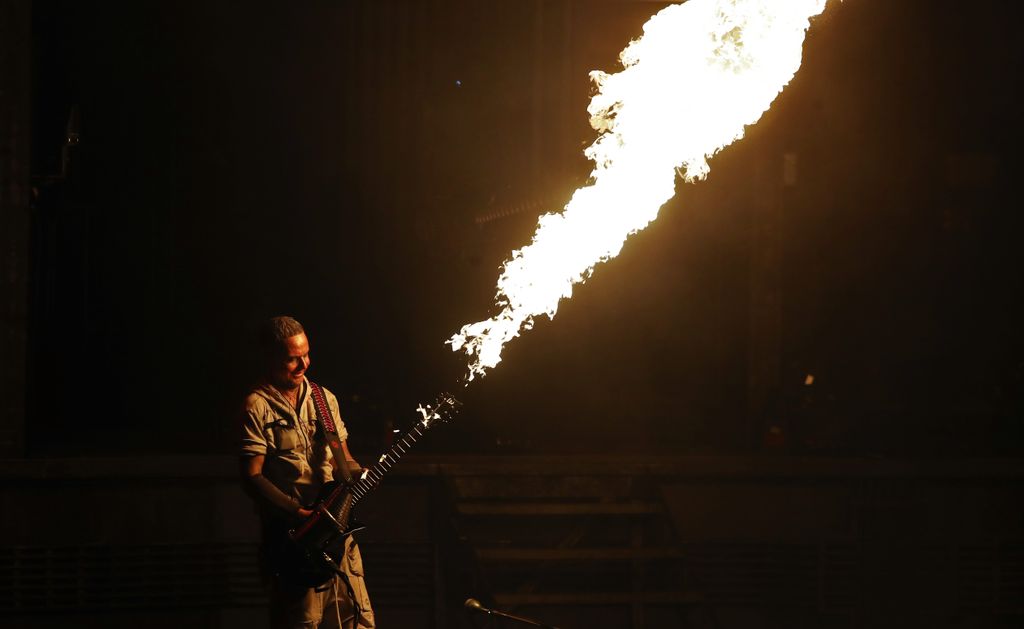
(312, 608)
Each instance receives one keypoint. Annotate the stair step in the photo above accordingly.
(569, 554)
(547, 508)
(510, 599)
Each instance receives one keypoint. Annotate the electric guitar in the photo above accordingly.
(313, 550)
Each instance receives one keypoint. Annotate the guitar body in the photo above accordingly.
(312, 552)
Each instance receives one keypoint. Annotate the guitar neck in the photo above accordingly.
(372, 477)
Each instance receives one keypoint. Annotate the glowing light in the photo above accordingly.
(700, 73)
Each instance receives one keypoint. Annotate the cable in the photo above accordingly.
(337, 603)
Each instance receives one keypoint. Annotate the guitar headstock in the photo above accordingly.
(444, 408)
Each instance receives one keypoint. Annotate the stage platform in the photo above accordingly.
(575, 541)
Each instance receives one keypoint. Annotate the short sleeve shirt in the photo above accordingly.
(297, 458)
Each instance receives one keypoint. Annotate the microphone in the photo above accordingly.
(472, 603)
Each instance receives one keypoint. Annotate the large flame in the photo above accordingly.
(700, 73)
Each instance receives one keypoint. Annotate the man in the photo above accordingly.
(285, 461)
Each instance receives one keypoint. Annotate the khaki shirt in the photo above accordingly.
(297, 458)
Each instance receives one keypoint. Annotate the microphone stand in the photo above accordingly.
(472, 603)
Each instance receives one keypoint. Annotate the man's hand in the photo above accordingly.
(303, 513)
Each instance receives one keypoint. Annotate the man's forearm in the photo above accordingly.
(269, 494)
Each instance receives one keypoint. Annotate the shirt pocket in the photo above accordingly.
(286, 437)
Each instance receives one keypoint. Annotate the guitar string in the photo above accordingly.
(361, 487)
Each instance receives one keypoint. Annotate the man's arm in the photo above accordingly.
(353, 466)
(252, 475)
(254, 448)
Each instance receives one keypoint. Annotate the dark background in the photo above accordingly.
(367, 167)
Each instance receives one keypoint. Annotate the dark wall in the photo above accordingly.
(15, 59)
(345, 162)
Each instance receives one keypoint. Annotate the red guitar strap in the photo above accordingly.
(323, 415)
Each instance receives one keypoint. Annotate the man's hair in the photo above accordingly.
(275, 331)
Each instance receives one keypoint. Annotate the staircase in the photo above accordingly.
(592, 549)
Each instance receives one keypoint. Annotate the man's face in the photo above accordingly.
(287, 371)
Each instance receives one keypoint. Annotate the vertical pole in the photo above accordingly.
(637, 570)
(438, 511)
(764, 369)
(566, 112)
(15, 82)
(537, 168)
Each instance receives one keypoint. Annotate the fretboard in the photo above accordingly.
(375, 473)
